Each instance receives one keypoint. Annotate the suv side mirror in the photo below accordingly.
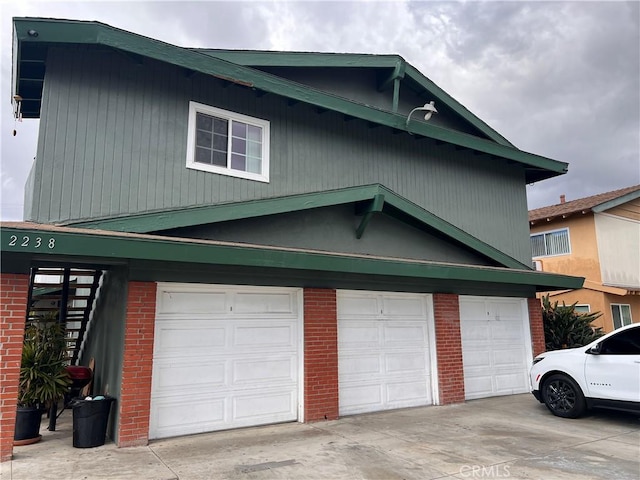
(596, 349)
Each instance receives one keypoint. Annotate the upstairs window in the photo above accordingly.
(621, 315)
(227, 143)
(550, 243)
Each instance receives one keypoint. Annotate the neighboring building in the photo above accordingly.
(267, 236)
(597, 238)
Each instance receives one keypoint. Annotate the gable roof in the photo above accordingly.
(379, 199)
(101, 248)
(398, 68)
(595, 203)
(33, 36)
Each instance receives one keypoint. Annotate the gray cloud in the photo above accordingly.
(557, 79)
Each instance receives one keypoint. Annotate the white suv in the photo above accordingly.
(604, 374)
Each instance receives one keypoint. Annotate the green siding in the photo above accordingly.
(334, 229)
(105, 339)
(118, 148)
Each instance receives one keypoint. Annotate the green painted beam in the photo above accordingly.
(396, 74)
(375, 206)
(154, 222)
(449, 230)
(62, 31)
(165, 220)
(253, 58)
(51, 243)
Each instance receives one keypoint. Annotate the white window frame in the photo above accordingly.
(583, 305)
(565, 229)
(194, 108)
(619, 305)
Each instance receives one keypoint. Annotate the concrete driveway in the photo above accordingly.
(502, 437)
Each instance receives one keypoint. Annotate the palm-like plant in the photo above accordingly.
(43, 377)
(566, 328)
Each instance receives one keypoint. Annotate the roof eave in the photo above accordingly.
(82, 244)
(64, 31)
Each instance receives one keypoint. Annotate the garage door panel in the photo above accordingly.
(172, 417)
(171, 377)
(359, 398)
(259, 371)
(358, 335)
(509, 357)
(407, 393)
(263, 407)
(475, 332)
(479, 386)
(274, 303)
(360, 365)
(225, 369)
(405, 362)
(357, 306)
(174, 338)
(403, 307)
(183, 302)
(507, 383)
(263, 336)
(404, 335)
(472, 309)
(495, 355)
(383, 359)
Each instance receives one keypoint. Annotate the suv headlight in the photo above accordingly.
(537, 359)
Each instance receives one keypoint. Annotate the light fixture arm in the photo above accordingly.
(427, 107)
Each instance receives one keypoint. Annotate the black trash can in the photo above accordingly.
(90, 418)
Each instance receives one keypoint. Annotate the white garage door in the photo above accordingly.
(383, 351)
(224, 357)
(496, 346)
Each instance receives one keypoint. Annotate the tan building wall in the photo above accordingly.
(584, 262)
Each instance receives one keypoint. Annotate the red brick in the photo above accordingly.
(135, 401)
(320, 355)
(449, 348)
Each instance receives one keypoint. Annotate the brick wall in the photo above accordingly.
(14, 289)
(536, 325)
(320, 355)
(446, 309)
(135, 393)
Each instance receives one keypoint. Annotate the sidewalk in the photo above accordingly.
(502, 437)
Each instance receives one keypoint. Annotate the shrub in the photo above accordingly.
(566, 328)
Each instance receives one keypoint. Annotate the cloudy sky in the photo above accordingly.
(557, 79)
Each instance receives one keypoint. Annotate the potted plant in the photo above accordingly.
(43, 377)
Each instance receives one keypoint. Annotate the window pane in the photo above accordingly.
(625, 313)
(254, 165)
(220, 126)
(220, 159)
(238, 146)
(582, 308)
(254, 149)
(537, 246)
(239, 129)
(203, 155)
(238, 162)
(203, 139)
(204, 122)
(220, 142)
(615, 312)
(254, 133)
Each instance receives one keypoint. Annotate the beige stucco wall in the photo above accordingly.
(584, 262)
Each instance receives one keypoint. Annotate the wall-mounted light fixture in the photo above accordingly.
(427, 107)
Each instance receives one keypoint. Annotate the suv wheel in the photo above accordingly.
(563, 396)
